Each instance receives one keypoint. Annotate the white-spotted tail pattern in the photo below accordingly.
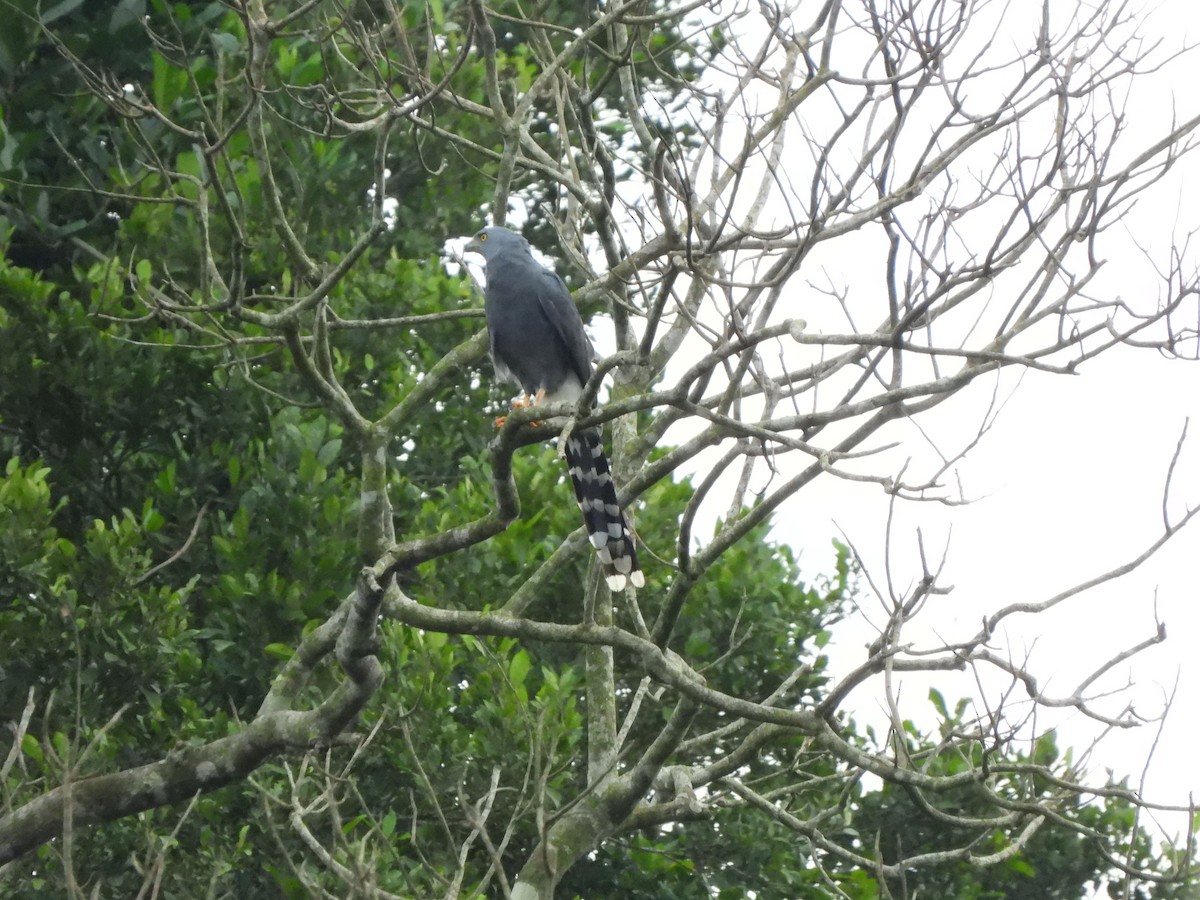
(602, 516)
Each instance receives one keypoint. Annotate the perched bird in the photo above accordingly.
(538, 341)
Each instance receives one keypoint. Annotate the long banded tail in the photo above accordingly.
(602, 516)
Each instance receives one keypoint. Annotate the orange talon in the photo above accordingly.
(521, 403)
(535, 400)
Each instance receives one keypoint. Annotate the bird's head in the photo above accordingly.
(494, 240)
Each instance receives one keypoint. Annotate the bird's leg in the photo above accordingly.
(536, 400)
(520, 403)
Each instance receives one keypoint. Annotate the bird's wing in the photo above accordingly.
(561, 312)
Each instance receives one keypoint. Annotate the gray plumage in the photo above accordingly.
(537, 340)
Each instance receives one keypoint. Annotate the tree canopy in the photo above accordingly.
(283, 614)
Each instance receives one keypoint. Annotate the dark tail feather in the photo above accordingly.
(602, 516)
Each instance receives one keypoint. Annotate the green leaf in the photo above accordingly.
(329, 452)
(331, 509)
(152, 520)
(32, 748)
(126, 13)
(58, 10)
(518, 667)
(935, 697)
(1020, 866)
(434, 639)
(279, 651)
(224, 42)
(167, 83)
(165, 481)
(286, 61)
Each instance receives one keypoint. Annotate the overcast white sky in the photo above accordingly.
(1071, 485)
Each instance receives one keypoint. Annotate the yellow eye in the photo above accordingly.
(482, 236)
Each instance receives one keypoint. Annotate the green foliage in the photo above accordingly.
(88, 613)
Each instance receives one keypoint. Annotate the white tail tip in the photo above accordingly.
(616, 581)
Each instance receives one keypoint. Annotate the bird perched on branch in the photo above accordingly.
(538, 341)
